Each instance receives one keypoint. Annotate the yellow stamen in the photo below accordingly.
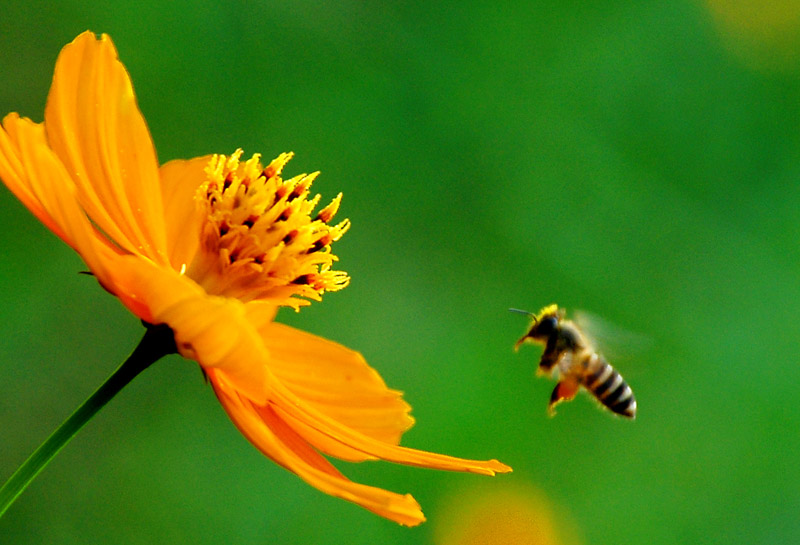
(259, 240)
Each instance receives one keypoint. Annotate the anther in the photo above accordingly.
(269, 172)
(297, 191)
(303, 279)
(228, 181)
(290, 236)
(320, 244)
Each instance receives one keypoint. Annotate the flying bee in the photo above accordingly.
(568, 350)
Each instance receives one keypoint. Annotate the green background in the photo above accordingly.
(636, 159)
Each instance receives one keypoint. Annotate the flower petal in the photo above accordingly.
(216, 333)
(95, 127)
(184, 219)
(149, 290)
(14, 171)
(33, 172)
(278, 441)
(296, 411)
(337, 381)
(310, 418)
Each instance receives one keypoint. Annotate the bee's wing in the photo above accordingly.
(611, 340)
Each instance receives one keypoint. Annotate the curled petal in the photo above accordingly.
(278, 440)
(215, 332)
(294, 410)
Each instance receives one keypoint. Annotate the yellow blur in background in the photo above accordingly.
(503, 515)
(765, 35)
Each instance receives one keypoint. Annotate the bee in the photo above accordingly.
(569, 351)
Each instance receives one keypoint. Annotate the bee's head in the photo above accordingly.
(544, 325)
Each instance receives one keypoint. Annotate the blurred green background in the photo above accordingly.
(636, 159)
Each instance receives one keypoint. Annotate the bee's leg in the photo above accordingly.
(565, 390)
(549, 359)
(521, 341)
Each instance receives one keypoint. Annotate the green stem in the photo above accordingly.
(157, 342)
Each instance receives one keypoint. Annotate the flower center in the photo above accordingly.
(259, 240)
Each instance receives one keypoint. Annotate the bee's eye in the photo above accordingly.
(547, 325)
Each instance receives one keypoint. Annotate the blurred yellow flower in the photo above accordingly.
(506, 516)
(212, 247)
(765, 35)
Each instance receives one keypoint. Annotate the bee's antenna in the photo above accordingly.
(532, 315)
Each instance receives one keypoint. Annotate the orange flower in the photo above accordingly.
(212, 247)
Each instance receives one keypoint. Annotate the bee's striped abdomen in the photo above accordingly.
(608, 386)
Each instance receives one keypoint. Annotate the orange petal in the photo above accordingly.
(33, 172)
(278, 441)
(183, 218)
(95, 127)
(297, 411)
(328, 433)
(14, 172)
(146, 289)
(216, 333)
(337, 381)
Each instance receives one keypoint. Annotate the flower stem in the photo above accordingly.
(158, 341)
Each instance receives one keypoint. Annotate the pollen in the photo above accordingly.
(259, 240)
